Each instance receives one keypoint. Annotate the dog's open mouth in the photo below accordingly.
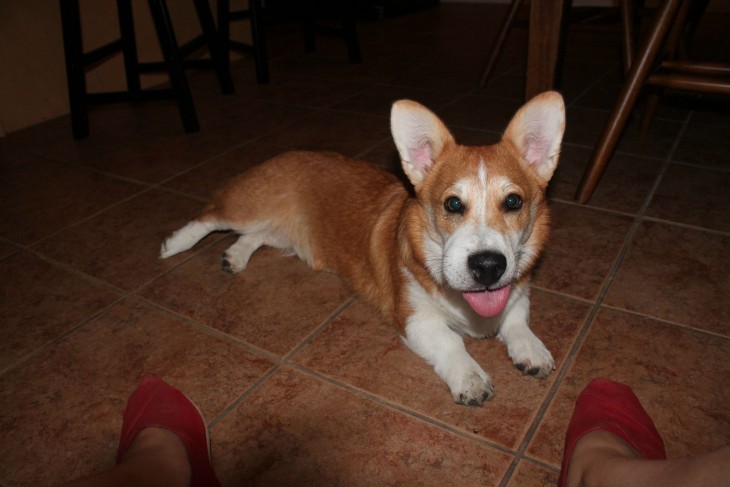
(488, 303)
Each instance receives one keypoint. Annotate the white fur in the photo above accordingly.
(187, 236)
(435, 330)
(524, 348)
(429, 336)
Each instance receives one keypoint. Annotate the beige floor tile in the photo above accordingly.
(34, 315)
(677, 274)
(63, 409)
(296, 430)
(365, 351)
(273, 304)
(673, 371)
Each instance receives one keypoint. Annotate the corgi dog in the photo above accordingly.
(449, 258)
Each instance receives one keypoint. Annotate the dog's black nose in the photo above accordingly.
(487, 267)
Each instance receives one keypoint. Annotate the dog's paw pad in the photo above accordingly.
(533, 371)
(475, 391)
(476, 401)
(226, 266)
(530, 356)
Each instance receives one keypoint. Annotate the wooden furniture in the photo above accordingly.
(306, 10)
(257, 47)
(545, 43)
(647, 69)
(78, 61)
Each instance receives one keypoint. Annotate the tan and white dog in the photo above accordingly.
(451, 261)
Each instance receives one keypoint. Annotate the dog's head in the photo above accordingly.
(484, 219)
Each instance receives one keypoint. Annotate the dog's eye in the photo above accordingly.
(454, 205)
(513, 202)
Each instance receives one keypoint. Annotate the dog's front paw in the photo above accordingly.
(232, 263)
(531, 357)
(473, 389)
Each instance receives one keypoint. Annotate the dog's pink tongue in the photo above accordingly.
(488, 303)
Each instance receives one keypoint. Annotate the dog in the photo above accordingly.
(449, 257)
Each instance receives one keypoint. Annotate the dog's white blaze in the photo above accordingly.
(481, 200)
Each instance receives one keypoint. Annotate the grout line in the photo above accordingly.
(593, 207)
(609, 70)
(190, 254)
(674, 324)
(91, 169)
(214, 332)
(235, 403)
(316, 331)
(91, 216)
(60, 337)
(583, 333)
(399, 408)
(72, 270)
(698, 165)
(280, 362)
(560, 294)
(687, 226)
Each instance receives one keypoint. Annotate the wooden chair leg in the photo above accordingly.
(168, 43)
(627, 98)
(504, 29)
(129, 47)
(258, 42)
(349, 28)
(224, 30)
(671, 48)
(215, 46)
(75, 74)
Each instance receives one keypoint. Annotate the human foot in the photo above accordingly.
(626, 429)
(157, 410)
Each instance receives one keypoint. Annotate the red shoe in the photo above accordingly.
(158, 405)
(613, 407)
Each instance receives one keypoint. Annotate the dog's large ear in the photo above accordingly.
(536, 131)
(419, 135)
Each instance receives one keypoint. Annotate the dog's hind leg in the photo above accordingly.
(187, 236)
(261, 233)
(235, 258)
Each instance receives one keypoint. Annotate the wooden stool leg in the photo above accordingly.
(671, 47)
(75, 74)
(349, 20)
(258, 41)
(215, 46)
(627, 98)
(224, 30)
(129, 47)
(168, 43)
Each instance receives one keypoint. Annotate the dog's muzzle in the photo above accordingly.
(487, 267)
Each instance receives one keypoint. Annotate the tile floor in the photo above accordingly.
(301, 382)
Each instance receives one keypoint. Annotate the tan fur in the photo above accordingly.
(331, 219)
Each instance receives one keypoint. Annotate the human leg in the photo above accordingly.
(164, 441)
(611, 441)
